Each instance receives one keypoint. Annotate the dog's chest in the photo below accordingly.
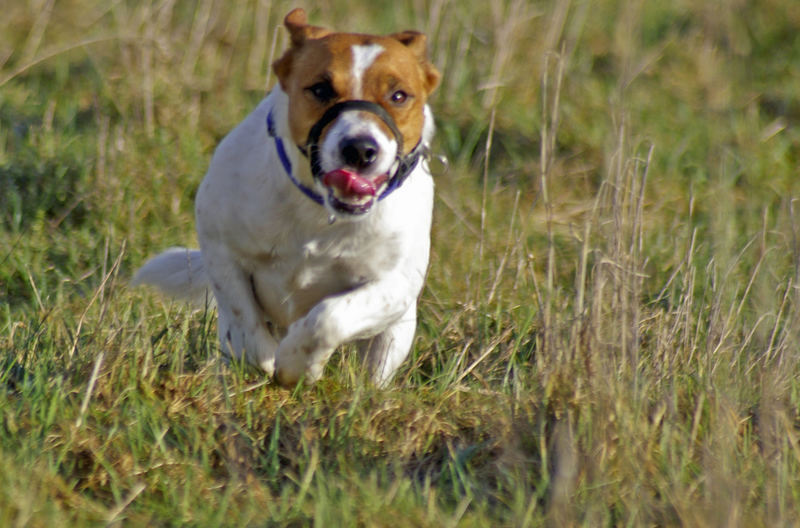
(289, 281)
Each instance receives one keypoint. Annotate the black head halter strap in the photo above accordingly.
(405, 164)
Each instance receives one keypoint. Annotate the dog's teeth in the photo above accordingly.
(352, 200)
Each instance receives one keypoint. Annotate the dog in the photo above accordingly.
(314, 217)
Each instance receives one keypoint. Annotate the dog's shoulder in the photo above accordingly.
(246, 140)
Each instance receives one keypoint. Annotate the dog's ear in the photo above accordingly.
(299, 32)
(413, 40)
(418, 44)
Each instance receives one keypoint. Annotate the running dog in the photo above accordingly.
(314, 216)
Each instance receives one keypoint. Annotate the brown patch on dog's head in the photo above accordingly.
(317, 72)
(417, 43)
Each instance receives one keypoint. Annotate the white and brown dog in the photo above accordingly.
(314, 217)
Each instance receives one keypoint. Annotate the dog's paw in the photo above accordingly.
(293, 358)
(257, 346)
(300, 354)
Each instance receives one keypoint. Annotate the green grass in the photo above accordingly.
(610, 330)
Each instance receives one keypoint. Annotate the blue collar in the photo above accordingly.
(287, 163)
(405, 166)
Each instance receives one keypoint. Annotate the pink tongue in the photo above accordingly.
(349, 183)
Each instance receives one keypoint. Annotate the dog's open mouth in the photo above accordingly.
(349, 192)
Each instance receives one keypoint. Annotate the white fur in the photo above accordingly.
(290, 286)
(178, 272)
(354, 124)
(363, 57)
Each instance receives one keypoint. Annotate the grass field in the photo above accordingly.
(610, 331)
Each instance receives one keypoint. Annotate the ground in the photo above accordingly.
(608, 335)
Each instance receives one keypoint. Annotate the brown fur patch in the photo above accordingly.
(318, 55)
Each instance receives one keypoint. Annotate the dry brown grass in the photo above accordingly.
(609, 331)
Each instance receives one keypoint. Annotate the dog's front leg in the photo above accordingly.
(361, 313)
(386, 351)
(241, 322)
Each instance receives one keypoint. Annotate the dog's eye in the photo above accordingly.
(322, 91)
(399, 97)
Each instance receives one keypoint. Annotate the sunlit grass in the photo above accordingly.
(609, 331)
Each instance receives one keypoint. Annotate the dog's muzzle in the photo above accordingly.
(360, 151)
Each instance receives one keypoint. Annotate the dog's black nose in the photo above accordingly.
(359, 152)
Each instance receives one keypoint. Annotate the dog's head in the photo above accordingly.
(356, 104)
